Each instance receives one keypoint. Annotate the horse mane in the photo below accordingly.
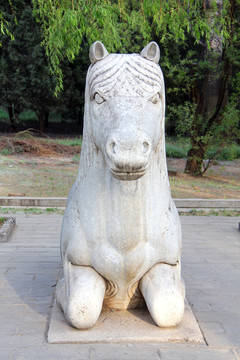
(108, 75)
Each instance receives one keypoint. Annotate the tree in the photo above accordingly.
(26, 82)
(4, 25)
(190, 28)
(214, 118)
(66, 24)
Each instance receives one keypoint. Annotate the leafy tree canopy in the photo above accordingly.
(67, 23)
(4, 24)
(24, 70)
(199, 41)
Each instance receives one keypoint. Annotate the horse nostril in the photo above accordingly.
(145, 147)
(111, 147)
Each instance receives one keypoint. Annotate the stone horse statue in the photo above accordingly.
(121, 234)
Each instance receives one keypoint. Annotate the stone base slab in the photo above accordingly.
(130, 326)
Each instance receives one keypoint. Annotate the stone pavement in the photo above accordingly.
(29, 266)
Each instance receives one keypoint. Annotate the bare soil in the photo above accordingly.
(221, 181)
(50, 169)
(35, 146)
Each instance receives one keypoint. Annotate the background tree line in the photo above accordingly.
(44, 53)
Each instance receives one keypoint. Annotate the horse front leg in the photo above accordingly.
(164, 293)
(80, 295)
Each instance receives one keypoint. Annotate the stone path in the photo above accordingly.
(29, 266)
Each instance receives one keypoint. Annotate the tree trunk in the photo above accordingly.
(80, 121)
(206, 95)
(46, 118)
(12, 118)
(41, 119)
(195, 158)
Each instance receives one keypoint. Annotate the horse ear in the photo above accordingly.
(151, 52)
(97, 52)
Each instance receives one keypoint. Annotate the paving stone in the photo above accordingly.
(122, 352)
(6, 354)
(12, 309)
(22, 340)
(57, 352)
(238, 353)
(216, 335)
(198, 354)
(29, 265)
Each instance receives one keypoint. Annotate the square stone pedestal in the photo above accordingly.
(128, 326)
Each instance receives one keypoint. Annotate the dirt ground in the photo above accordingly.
(221, 181)
(36, 176)
(38, 167)
(53, 175)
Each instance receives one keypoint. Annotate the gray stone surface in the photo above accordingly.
(208, 203)
(130, 326)
(121, 233)
(33, 201)
(182, 204)
(123, 352)
(29, 266)
(7, 228)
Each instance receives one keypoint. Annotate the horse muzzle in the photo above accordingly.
(128, 160)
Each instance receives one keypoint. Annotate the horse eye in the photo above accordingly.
(98, 98)
(155, 98)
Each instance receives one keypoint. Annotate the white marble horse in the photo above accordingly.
(121, 234)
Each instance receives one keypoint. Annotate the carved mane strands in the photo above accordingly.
(143, 76)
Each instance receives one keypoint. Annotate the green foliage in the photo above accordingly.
(27, 85)
(3, 114)
(66, 24)
(76, 159)
(184, 31)
(178, 148)
(229, 153)
(10, 150)
(174, 151)
(4, 24)
(2, 221)
(6, 152)
(24, 71)
(27, 115)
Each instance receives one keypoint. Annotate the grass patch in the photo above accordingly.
(2, 220)
(76, 159)
(212, 212)
(68, 141)
(58, 211)
(31, 210)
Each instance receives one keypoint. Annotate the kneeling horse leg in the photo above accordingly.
(164, 293)
(80, 295)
